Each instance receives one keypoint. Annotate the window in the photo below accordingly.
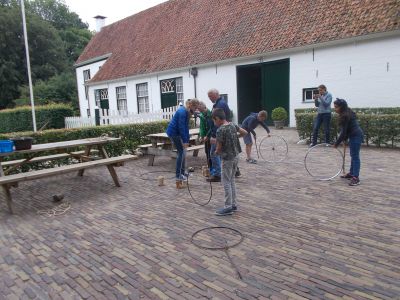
(88, 112)
(86, 77)
(142, 98)
(179, 90)
(308, 94)
(121, 100)
(101, 97)
(224, 96)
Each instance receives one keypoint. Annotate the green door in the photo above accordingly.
(275, 86)
(168, 93)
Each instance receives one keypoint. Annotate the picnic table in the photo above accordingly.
(84, 160)
(161, 145)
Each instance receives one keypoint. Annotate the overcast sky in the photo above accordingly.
(114, 10)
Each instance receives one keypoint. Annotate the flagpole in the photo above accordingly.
(28, 63)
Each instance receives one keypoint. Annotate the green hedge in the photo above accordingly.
(379, 129)
(358, 111)
(20, 119)
(131, 136)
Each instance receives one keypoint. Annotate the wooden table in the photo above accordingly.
(161, 145)
(63, 149)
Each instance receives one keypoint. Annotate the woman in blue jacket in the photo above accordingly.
(178, 132)
(352, 131)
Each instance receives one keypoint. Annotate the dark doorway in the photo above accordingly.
(263, 86)
(249, 90)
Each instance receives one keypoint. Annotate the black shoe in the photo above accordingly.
(238, 174)
(234, 208)
(354, 181)
(347, 176)
(214, 179)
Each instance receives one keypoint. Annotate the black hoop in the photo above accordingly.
(193, 198)
(192, 240)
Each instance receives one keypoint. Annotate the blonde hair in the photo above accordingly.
(263, 114)
(193, 101)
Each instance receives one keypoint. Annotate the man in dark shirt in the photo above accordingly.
(249, 124)
(218, 102)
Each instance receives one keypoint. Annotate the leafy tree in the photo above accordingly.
(56, 36)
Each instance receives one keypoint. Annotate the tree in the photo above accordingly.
(56, 39)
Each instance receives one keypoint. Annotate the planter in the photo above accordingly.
(22, 143)
(279, 124)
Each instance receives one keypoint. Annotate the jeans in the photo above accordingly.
(215, 161)
(180, 160)
(355, 146)
(324, 118)
(228, 180)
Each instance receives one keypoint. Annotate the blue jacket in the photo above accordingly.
(324, 103)
(251, 123)
(221, 103)
(179, 125)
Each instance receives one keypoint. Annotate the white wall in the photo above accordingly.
(370, 83)
(83, 103)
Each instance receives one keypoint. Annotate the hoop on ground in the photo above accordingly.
(199, 189)
(273, 148)
(323, 162)
(216, 238)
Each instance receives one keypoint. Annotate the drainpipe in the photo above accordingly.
(194, 72)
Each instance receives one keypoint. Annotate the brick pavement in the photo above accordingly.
(304, 239)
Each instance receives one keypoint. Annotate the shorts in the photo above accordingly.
(247, 139)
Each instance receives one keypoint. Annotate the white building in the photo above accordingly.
(259, 54)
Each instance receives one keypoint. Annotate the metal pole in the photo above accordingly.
(28, 63)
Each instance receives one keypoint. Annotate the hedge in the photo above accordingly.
(364, 110)
(379, 129)
(131, 136)
(48, 116)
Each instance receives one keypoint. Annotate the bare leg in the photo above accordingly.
(248, 150)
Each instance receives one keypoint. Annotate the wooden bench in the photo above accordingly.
(195, 149)
(9, 180)
(76, 154)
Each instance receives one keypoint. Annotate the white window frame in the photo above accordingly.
(86, 77)
(142, 94)
(100, 94)
(306, 91)
(122, 104)
(179, 90)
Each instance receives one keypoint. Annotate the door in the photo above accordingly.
(168, 93)
(249, 90)
(275, 86)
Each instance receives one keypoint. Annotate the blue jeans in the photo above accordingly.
(180, 160)
(325, 119)
(215, 162)
(355, 146)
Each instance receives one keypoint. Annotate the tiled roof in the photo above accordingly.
(181, 33)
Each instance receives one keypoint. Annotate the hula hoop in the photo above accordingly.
(278, 147)
(193, 198)
(308, 154)
(227, 246)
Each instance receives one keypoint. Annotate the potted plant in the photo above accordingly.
(279, 116)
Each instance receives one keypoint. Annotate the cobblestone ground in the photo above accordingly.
(302, 238)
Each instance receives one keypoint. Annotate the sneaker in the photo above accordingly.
(354, 181)
(214, 179)
(224, 211)
(182, 177)
(238, 174)
(311, 145)
(347, 176)
(251, 161)
(234, 208)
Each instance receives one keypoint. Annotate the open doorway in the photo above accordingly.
(263, 86)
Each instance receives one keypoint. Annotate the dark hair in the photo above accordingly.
(218, 113)
(344, 110)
